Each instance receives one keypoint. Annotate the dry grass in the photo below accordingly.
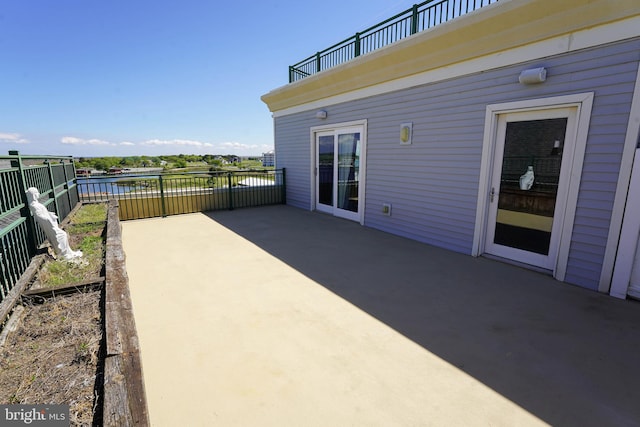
(54, 355)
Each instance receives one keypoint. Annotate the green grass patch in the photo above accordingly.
(90, 213)
(90, 227)
(86, 229)
(62, 272)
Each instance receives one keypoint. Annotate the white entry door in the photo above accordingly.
(529, 185)
(338, 188)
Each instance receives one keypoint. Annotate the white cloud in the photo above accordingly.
(238, 145)
(152, 146)
(177, 142)
(72, 140)
(13, 138)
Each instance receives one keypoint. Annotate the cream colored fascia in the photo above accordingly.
(504, 33)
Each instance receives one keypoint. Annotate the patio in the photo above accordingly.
(279, 316)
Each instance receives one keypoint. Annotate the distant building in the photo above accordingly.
(114, 170)
(269, 158)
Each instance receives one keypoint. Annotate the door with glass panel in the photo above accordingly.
(338, 172)
(529, 185)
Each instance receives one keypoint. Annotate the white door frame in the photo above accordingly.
(582, 103)
(335, 127)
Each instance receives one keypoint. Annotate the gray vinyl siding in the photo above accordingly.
(293, 152)
(432, 184)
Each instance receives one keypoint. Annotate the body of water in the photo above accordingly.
(103, 185)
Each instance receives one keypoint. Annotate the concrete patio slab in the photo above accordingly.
(278, 316)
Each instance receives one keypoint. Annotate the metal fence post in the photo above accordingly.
(66, 184)
(357, 45)
(414, 19)
(284, 187)
(164, 211)
(24, 211)
(75, 180)
(52, 181)
(229, 183)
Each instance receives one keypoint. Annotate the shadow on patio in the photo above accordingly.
(564, 354)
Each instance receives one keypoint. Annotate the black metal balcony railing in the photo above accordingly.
(146, 196)
(419, 18)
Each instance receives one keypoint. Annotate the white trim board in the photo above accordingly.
(597, 36)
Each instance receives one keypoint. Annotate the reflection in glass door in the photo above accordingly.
(338, 172)
(527, 178)
(529, 184)
(325, 168)
(348, 168)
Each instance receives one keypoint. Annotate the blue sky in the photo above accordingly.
(138, 77)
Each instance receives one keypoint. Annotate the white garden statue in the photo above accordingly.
(48, 222)
(526, 180)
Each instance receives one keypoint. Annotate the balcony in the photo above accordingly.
(411, 21)
(273, 315)
(280, 316)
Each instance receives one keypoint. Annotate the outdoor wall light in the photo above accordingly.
(533, 76)
(322, 114)
(406, 129)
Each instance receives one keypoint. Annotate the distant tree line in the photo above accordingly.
(171, 161)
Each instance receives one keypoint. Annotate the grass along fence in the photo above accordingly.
(158, 195)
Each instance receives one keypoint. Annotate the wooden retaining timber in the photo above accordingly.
(12, 298)
(125, 402)
(40, 295)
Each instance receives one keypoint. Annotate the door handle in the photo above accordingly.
(493, 193)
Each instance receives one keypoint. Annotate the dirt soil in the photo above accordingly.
(55, 354)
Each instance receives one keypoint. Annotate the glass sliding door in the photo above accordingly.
(338, 163)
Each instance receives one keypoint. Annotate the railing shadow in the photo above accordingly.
(565, 354)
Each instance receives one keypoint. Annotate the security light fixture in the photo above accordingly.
(533, 76)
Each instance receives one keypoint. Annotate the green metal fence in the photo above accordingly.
(411, 21)
(54, 177)
(155, 195)
(139, 196)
